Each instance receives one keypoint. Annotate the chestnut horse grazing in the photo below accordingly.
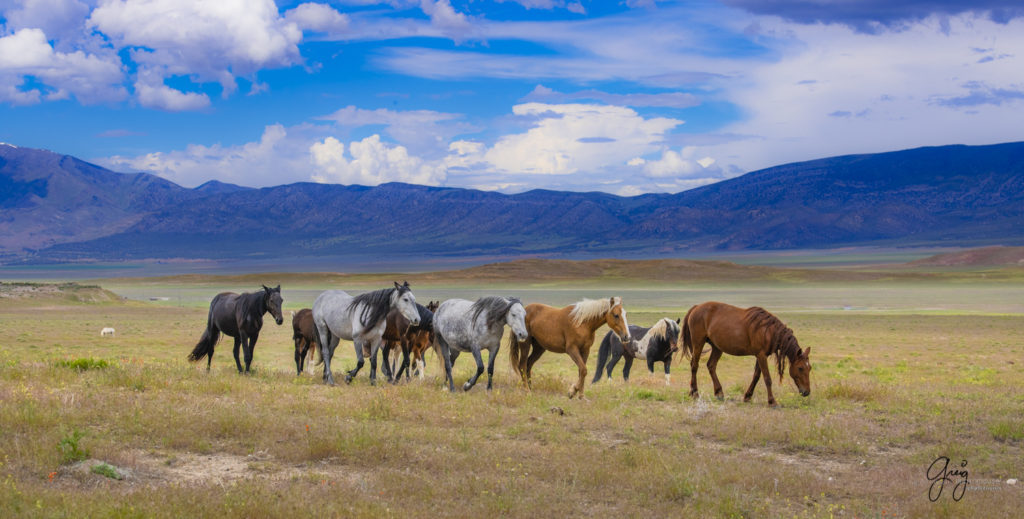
(567, 330)
(744, 331)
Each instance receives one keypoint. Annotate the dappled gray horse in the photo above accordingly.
(360, 319)
(465, 326)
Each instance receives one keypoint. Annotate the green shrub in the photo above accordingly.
(84, 364)
(71, 449)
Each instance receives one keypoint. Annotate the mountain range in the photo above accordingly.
(57, 208)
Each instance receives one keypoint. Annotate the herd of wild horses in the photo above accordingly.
(390, 318)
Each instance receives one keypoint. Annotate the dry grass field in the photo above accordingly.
(908, 368)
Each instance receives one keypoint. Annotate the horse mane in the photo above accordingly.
(426, 318)
(659, 330)
(376, 305)
(781, 341)
(496, 308)
(588, 309)
(252, 303)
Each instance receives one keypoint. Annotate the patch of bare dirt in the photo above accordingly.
(186, 468)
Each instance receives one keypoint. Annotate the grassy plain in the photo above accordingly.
(906, 369)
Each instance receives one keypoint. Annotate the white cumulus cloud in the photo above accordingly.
(571, 138)
(370, 162)
(89, 77)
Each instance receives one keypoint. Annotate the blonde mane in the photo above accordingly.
(588, 309)
(660, 329)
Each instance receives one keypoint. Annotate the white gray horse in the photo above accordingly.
(465, 326)
(360, 319)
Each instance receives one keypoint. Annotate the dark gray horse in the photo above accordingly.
(239, 316)
(360, 319)
(465, 326)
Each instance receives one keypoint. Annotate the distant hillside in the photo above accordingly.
(982, 257)
(56, 208)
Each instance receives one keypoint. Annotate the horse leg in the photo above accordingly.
(374, 348)
(668, 367)
(581, 363)
(446, 356)
(250, 348)
(491, 354)
(762, 362)
(385, 361)
(238, 344)
(627, 366)
(712, 366)
(753, 382)
(359, 361)
(615, 357)
(479, 370)
(300, 354)
(404, 368)
(535, 354)
(327, 344)
(698, 349)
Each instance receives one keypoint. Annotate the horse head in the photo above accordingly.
(403, 299)
(272, 298)
(515, 318)
(673, 336)
(616, 319)
(800, 370)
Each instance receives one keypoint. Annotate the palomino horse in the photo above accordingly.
(467, 326)
(304, 335)
(567, 330)
(238, 316)
(744, 331)
(360, 319)
(655, 344)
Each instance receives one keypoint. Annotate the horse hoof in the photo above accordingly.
(467, 386)
(695, 395)
(348, 379)
(719, 396)
(746, 399)
(773, 405)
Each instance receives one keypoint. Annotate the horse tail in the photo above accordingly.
(513, 353)
(206, 343)
(687, 339)
(602, 357)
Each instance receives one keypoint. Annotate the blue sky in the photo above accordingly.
(625, 97)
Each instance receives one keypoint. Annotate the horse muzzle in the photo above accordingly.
(279, 321)
(414, 323)
(805, 392)
(522, 337)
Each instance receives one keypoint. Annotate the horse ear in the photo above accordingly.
(807, 352)
(406, 284)
(677, 320)
(265, 288)
(397, 285)
(278, 289)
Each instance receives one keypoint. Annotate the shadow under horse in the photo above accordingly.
(239, 316)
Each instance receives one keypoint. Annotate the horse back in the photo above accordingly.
(302, 325)
(725, 326)
(553, 329)
(222, 313)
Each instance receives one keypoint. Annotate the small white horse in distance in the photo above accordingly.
(107, 331)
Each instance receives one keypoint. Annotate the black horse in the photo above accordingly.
(239, 316)
(654, 344)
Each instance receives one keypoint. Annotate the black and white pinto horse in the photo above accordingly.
(654, 344)
(466, 326)
(360, 319)
(239, 316)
